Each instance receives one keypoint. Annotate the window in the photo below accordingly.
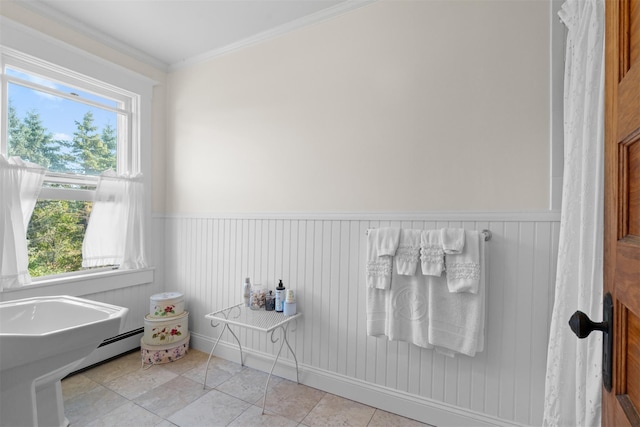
(75, 126)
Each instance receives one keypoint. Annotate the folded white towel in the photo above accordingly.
(378, 267)
(463, 270)
(387, 240)
(408, 306)
(431, 253)
(452, 240)
(408, 252)
(457, 320)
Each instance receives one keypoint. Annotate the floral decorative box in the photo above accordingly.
(166, 304)
(158, 354)
(165, 331)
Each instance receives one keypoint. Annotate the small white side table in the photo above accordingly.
(258, 320)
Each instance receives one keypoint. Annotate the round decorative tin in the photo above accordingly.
(165, 331)
(166, 304)
(158, 354)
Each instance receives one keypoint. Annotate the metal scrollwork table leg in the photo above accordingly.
(226, 327)
(283, 335)
(260, 321)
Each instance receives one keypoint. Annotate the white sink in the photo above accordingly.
(41, 341)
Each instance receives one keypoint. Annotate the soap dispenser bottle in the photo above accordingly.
(290, 304)
(280, 297)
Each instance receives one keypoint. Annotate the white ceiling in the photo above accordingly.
(170, 33)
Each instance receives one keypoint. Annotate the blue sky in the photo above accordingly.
(57, 114)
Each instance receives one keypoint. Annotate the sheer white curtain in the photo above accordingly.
(573, 381)
(20, 184)
(115, 232)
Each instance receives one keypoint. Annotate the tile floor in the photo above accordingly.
(122, 393)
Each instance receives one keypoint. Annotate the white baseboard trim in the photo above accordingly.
(407, 405)
(113, 349)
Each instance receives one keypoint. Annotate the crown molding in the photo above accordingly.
(46, 11)
(24, 42)
(322, 15)
(43, 9)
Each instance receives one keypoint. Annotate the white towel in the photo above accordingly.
(376, 311)
(457, 320)
(378, 267)
(408, 252)
(380, 248)
(431, 253)
(463, 270)
(452, 240)
(387, 240)
(408, 310)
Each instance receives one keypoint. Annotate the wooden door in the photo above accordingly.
(621, 406)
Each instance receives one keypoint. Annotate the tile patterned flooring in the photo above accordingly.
(122, 393)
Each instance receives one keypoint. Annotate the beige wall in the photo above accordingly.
(51, 28)
(399, 106)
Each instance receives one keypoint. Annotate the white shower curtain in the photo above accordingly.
(573, 381)
(20, 184)
(115, 232)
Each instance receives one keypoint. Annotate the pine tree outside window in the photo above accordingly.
(77, 128)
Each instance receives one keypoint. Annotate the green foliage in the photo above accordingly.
(91, 152)
(56, 230)
(55, 236)
(110, 139)
(30, 140)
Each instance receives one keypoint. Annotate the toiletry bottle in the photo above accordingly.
(280, 297)
(269, 302)
(290, 304)
(246, 291)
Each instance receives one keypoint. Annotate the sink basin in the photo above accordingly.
(42, 340)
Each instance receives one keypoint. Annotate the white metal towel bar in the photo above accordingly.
(487, 234)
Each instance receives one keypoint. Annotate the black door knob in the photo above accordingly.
(582, 326)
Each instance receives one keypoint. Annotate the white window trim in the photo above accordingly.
(17, 39)
(66, 193)
(82, 284)
(127, 158)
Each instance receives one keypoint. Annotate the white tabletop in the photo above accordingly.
(259, 320)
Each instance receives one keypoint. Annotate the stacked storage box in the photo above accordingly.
(166, 329)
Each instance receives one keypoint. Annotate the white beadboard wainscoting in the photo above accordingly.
(322, 257)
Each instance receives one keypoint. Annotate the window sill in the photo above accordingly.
(80, 285)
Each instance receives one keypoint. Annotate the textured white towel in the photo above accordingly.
(463, 270)
(381, 245)
(387, 240)
(457, 320)
(408, 252)
(377, 311)
(452, 240)
(378, 267)
(408, 310)
(431, 253)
